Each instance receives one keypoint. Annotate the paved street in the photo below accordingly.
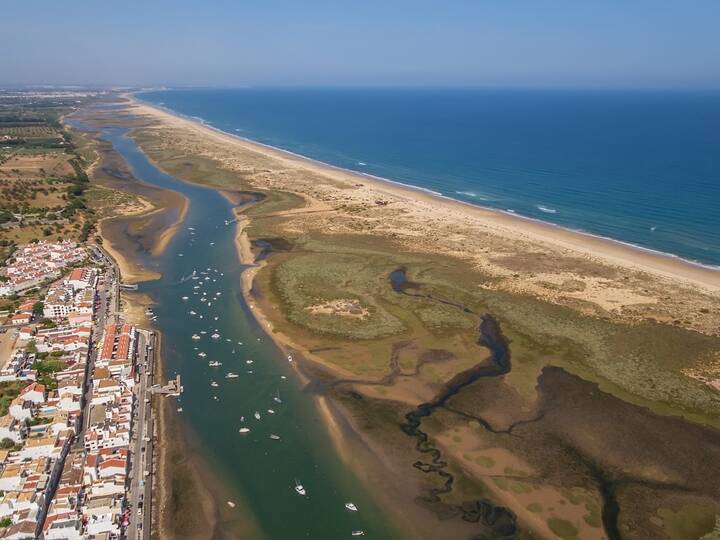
(141, 445)
(141, 448)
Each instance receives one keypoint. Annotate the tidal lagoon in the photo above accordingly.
(199, 295)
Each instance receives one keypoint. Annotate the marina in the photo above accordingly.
(290, 441)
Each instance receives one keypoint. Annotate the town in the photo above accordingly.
(76, 426)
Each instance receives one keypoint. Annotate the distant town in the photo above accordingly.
(75, 433)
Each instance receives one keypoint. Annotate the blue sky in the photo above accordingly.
(532, 43)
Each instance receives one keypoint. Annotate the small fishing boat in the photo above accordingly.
(231, 504)
(179, 409)
(300, 489)
(244, 430)
(350, 506)
(257, 415)
(289, 357)
(232, 375)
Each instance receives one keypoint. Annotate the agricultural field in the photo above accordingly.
(43, 179)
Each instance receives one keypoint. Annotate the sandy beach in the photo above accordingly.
(429, 207)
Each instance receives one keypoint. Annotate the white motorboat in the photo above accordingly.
(350, 506)
(248, 361)
(185, 298)
(192, 312)
(274, 437)
(231, 504)
(300, 489)
(277, 399)
(244, 430)
(232, 375)
(270, 411)
(214, 363)
(179, 409)
(214, 384)
(202, 354)
(215, 336)
(203, 332)
(289, 357)
(257, 415)
(195, 336)
(358, 533)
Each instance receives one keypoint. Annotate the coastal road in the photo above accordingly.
(141, 445)
(112, 277)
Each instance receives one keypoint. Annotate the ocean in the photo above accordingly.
(638, 167)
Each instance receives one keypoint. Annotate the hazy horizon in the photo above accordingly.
(613, 45)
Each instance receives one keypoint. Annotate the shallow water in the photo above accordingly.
(260, 471)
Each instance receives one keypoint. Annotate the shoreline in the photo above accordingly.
(334, 417)
(611, 251)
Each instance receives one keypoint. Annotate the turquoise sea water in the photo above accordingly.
(637, 167)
